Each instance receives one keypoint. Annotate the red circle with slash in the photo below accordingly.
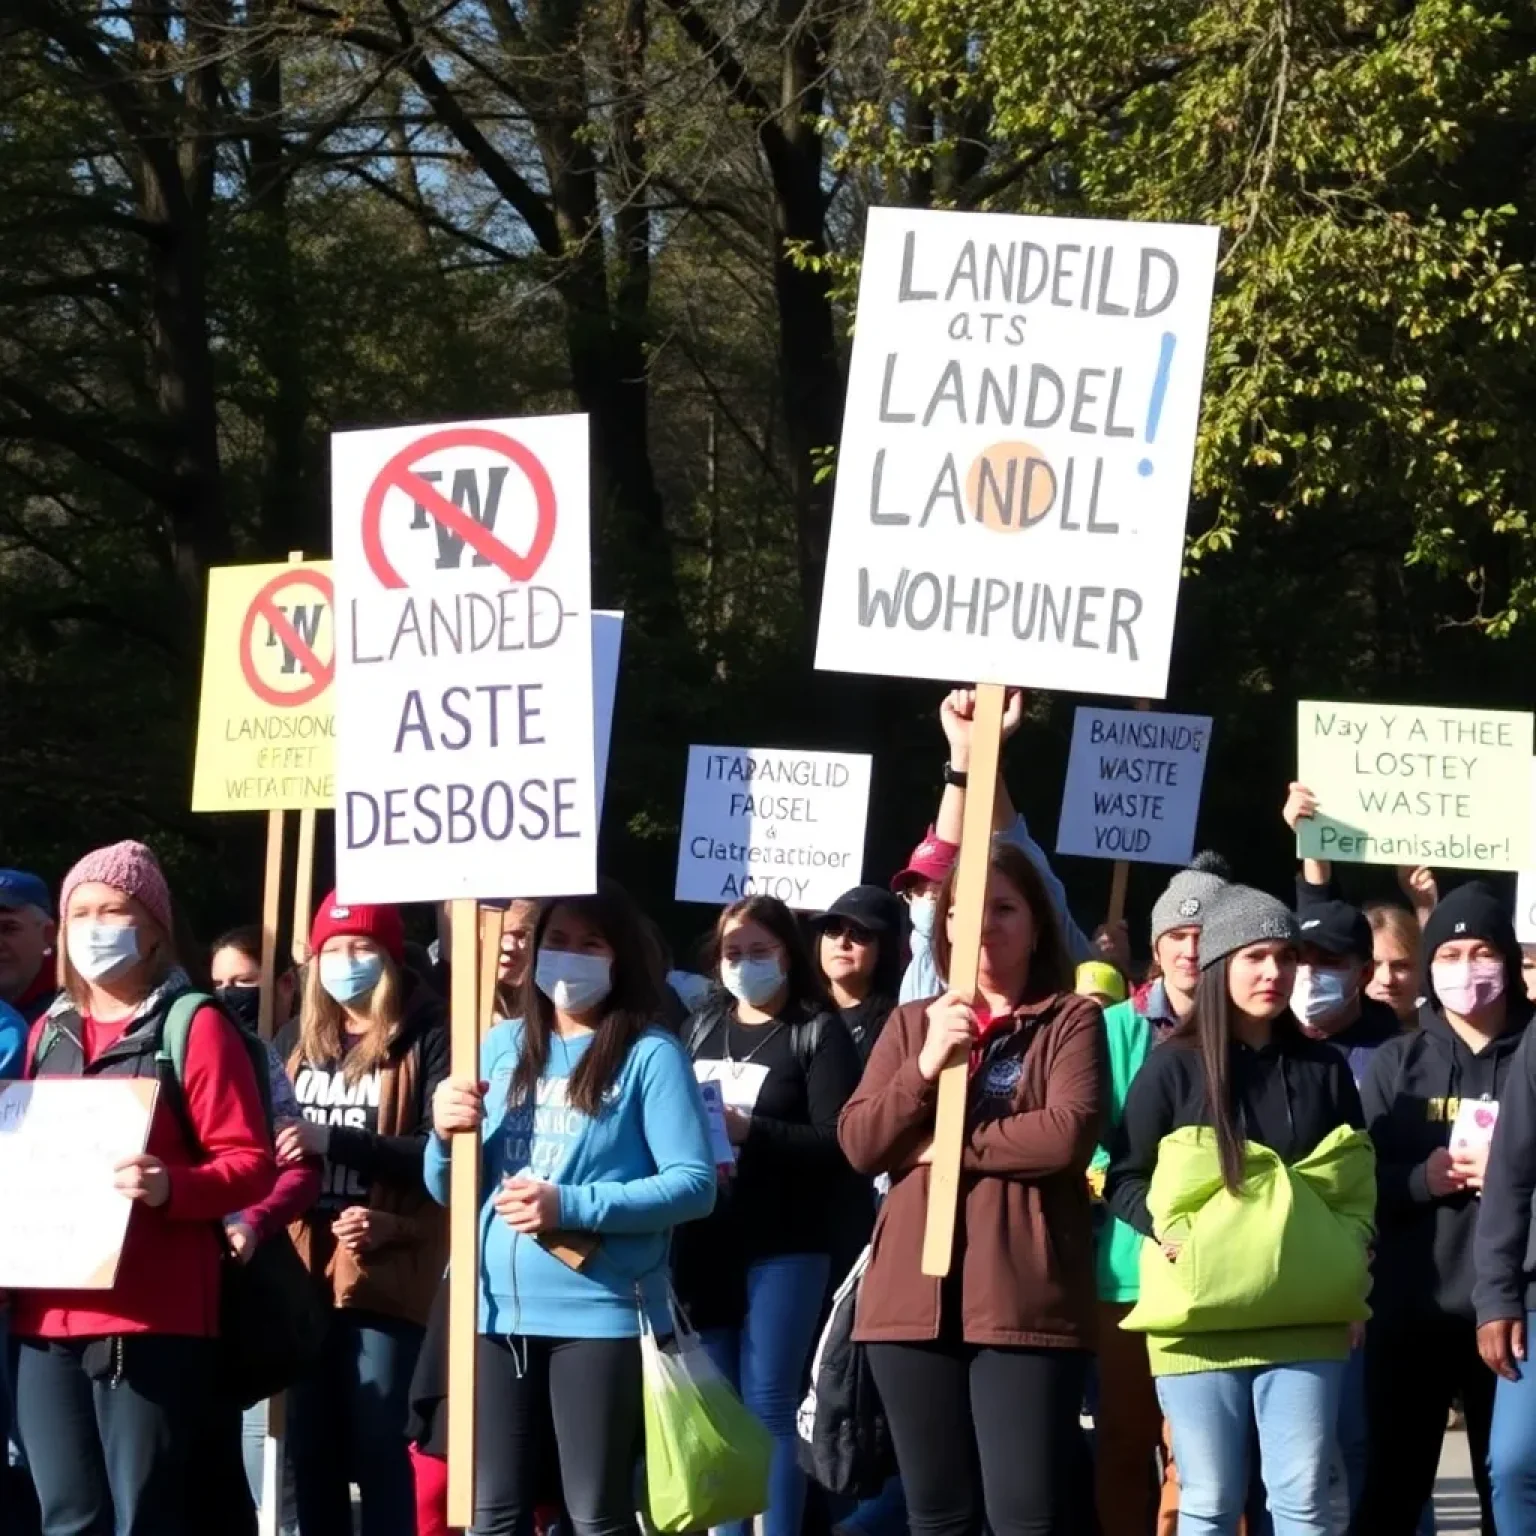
(399, 475)
(264, 606)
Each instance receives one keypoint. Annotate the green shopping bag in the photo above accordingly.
(706, 1455)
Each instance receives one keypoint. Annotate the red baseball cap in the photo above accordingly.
(932, 859)
(383, 925)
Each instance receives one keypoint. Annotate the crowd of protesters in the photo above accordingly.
(1235, 1233)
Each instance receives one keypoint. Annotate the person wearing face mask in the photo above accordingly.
(114, 1387)
(932, 859)
(594, 1148)
(986, 1368)
(860, 946)
(1255, 1331)
(1431, 1096)
(366, 1053)
(1128, 1422)
(754, 1276)
(1328, 999)
(234, 1482)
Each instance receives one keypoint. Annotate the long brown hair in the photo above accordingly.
(1050, 971)
(1207, 1028)
(322, 1023)
(632, 1006)
(1399, 923)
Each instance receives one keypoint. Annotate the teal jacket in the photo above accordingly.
(1129, 1038)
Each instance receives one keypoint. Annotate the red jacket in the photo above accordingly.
(168, 1278)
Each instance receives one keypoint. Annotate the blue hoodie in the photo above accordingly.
(639, 1168)
(13, 1043)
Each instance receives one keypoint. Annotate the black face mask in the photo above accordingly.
(242, 1004)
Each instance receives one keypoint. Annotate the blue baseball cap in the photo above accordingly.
(18, 888)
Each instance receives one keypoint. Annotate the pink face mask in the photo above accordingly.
(1466, 987)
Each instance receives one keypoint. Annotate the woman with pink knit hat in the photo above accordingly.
(113, 1388)
(367, 1051)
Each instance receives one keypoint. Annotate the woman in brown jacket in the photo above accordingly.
(984, 1369)
(366, 1052)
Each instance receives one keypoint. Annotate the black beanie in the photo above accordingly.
(1473, 911)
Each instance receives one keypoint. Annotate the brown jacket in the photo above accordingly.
(1032, 1120)
(399, 1274)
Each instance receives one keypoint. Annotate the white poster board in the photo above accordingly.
(465, 758)
(765, 821)
(1525, 886)
(607, 640)
(1016, 452)
(1133, 785)
(60, 1139)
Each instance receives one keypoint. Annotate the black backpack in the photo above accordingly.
(844, 1441)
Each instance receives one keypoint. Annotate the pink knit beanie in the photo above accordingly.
(129, 867)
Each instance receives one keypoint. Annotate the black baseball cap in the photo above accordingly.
(870, 907)
(1336, 928)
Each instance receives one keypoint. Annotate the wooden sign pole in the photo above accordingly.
(271, 911)
(1120, 876)
(965, 962)
(463, 1224)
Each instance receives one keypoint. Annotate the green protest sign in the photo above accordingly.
(1398, 784)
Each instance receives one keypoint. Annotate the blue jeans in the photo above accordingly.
(883, 1515)
(253, 1447)
(765, 1361)
(1512, 1447)
(1296, 1410)
(346, 1423)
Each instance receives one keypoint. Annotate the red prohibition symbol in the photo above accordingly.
(264, 606)
(400, 475)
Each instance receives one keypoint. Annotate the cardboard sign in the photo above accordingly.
(1133, 786)
(1017, 446)
(761, 821)
(1397, 784)
(465, 757)
(60, 1139)
(264, 727)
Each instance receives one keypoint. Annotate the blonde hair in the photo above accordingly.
(159, 962)
(1397, 923)
(322, 1023)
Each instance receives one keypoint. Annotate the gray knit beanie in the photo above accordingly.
(1189, 895)
(1240, 916)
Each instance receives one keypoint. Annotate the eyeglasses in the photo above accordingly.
(838, 929)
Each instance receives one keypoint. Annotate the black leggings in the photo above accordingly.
(1009, 1415)
(584, 1394)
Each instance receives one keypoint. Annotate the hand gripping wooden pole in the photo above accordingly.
(964, 962)
(1120, 876)
(463, 1221)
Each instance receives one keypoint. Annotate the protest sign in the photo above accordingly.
(607, 639)
(264, 728)
(1017, 445)
(465, 754)
(759, 821)
(1398, 784)
(1133, 786)
(1525, 907)
(60, 1139)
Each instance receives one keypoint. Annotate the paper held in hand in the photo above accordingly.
(60, 1139)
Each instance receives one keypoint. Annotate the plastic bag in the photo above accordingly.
(706, 1455)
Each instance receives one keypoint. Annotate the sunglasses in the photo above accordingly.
(838, 929)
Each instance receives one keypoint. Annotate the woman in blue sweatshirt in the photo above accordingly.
(595, 1148)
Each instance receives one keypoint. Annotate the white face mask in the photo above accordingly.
(100, 951)
(753, 982)
(1319, 991)
(573, 982)
(923, 910)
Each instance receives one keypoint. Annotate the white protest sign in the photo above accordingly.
(607, 638)
(1017, 445)
(60, 1139)
(1525, 886)
(762, 821)
(465, 756)
(1133, 785)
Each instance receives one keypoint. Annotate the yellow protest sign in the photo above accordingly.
(1399, 784)
(265, 728)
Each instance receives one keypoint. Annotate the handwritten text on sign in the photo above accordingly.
(767, 822)
(1397, 784)
(1133, 785)
(464, 756)
(60, 1139)
(1017, 445)
(264, 727)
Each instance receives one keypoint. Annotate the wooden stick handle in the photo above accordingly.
(1120, 877)
(965, 961)
(304, 887)
(271, 909)
(463, 1224)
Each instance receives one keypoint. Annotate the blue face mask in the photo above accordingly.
(1319, 992)
(923, 910)
(753, 982)
(349, 977)
(100, 951)
(573, 982)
